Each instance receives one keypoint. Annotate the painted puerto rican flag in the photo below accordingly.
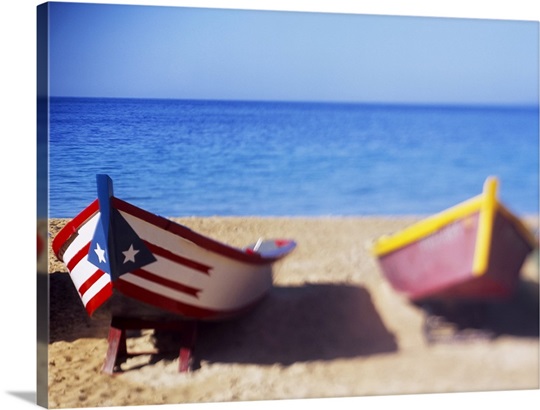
(115, 245)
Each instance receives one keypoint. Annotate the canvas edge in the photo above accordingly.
(42, 127)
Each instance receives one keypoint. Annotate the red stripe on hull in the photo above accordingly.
(100, 298)
(72, 227)
(90, 281)
(80, 255)
(166, 282)
(178, 259)
(183, 309)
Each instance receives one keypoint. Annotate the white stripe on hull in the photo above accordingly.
(85, 234)
(82, 272)
(95, 288)
(176, 272)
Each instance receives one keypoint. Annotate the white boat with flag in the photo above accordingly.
(113, 246)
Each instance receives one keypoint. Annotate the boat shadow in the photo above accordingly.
(68, 320)
(292, 324)
(299, 324)
(517, 316)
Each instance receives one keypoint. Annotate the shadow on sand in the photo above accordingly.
(517, 316)
(299, 324)
(292, 324)
(68, 318)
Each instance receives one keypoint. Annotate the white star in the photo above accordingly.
(130, 254)
(100, 253)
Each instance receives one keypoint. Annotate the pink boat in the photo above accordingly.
(473, 251)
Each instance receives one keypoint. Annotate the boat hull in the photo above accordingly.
(440, 265)
(187, 274)
(474, 251)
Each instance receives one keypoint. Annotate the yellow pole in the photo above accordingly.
(485, 227)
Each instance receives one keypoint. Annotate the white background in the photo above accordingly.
(17, 193)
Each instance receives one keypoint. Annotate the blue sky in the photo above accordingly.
(100, 50)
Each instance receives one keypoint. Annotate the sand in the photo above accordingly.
(331, 327)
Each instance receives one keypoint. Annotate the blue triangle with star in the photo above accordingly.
(115, 248)
(130, 252)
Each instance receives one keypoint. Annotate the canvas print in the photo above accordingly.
(245, 205)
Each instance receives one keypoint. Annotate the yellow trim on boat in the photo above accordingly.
(387, 244)
(485, 227)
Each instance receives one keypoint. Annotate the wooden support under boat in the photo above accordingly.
(117, 351)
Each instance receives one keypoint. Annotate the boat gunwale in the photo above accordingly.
(425, 227)
(72, 226)
(485, 203)
(199, 239)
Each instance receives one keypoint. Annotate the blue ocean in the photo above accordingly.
(204, 158)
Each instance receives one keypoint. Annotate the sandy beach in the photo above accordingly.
(331, 327)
